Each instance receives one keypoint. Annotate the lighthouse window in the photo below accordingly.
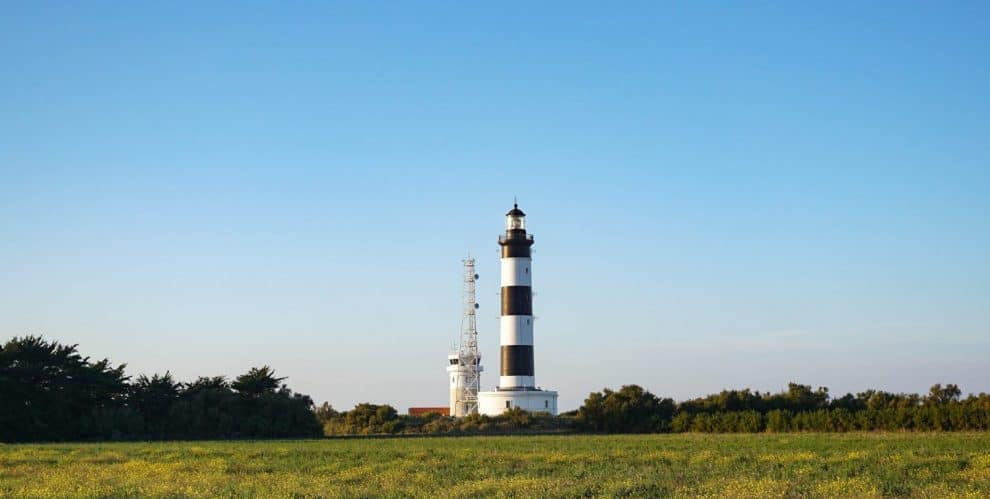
(527, 322)
(546, 404)
(507, 404)
(527, 270)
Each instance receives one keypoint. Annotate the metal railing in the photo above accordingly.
(502, 238)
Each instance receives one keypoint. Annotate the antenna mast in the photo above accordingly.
(469, 359)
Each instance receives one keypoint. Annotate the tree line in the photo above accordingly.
(632, 409)
(49, 392)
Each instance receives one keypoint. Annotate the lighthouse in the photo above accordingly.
(517, 375)
(516, 322)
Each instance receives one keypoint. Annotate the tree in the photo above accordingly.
(324, 413)
(629, 410)
(364, 419)
(205, 383)
(938, 395)
(153, 398)
(50, 392)
(257, 381)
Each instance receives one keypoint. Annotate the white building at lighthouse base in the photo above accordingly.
(496, 402)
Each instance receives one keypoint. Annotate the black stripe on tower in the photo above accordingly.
(517, 360)
(515, 243)
(517, 300)
(515, 250)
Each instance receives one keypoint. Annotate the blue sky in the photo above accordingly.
(723, 196)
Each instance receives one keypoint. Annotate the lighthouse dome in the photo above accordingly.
(515, 212)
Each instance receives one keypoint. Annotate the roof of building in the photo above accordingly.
(419, 411)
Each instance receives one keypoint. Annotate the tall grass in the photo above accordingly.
(767, 465)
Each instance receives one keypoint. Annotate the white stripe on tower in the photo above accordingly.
(515, 271)
(516, 330)
(516, 382)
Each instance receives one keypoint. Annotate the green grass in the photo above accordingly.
(852, 465)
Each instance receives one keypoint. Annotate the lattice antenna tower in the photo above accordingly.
(469, 358)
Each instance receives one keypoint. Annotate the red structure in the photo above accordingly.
(419, 411)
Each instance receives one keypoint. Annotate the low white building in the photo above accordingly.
(495, 403)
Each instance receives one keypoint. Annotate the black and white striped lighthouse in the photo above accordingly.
(516, 382)
(516, 322)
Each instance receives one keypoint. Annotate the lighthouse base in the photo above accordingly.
(497, 402)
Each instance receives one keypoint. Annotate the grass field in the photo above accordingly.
(852, 465)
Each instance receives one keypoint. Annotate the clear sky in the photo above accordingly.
(723, 196)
